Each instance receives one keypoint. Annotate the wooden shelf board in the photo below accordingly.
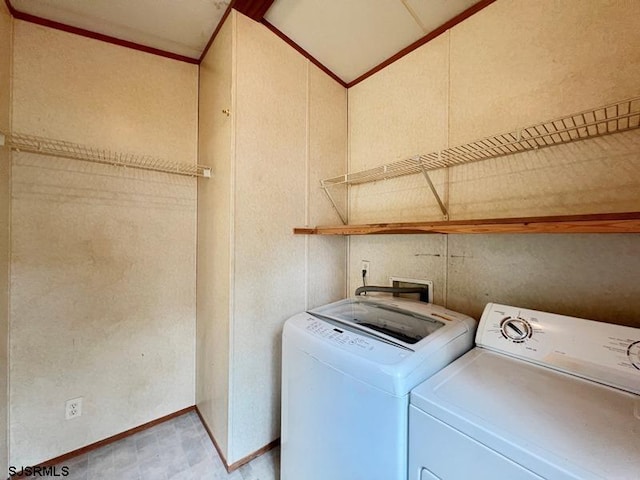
(628, 222)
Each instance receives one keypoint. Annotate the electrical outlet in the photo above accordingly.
(73, 408)
(366, 265)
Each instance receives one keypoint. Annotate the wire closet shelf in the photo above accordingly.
(613, 118)
(59, 148)
(617, 117)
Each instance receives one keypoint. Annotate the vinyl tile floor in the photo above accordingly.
(178, 449)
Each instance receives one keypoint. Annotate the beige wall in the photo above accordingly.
(214, 235)
(6, 33)
(513, 64)
(326, 157)
(288, 130)
(103, 259)
(285, 142)
(578, 55)
(398, 112)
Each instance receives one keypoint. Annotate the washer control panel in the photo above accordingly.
(338, 335)
(325, 338)
(599, 351)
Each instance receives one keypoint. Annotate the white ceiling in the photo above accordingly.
(349, 37)
(177, 26)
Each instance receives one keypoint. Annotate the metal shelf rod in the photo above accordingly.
(21, 142)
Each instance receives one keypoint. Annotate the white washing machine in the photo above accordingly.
(348, 368)
(541, 396)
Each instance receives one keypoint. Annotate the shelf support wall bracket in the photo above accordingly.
(333, 203)
(443, 208)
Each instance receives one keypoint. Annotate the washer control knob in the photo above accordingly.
(515, 329)
(633, 352)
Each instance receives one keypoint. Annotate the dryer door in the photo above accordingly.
(437, 451)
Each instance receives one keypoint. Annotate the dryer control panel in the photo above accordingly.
(599, 351)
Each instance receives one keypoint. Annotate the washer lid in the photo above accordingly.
(383, 320)
(543, 419)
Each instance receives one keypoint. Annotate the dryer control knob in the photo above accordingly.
(515, 329)
(633, 352)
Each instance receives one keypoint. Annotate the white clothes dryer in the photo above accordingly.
(541, 396)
